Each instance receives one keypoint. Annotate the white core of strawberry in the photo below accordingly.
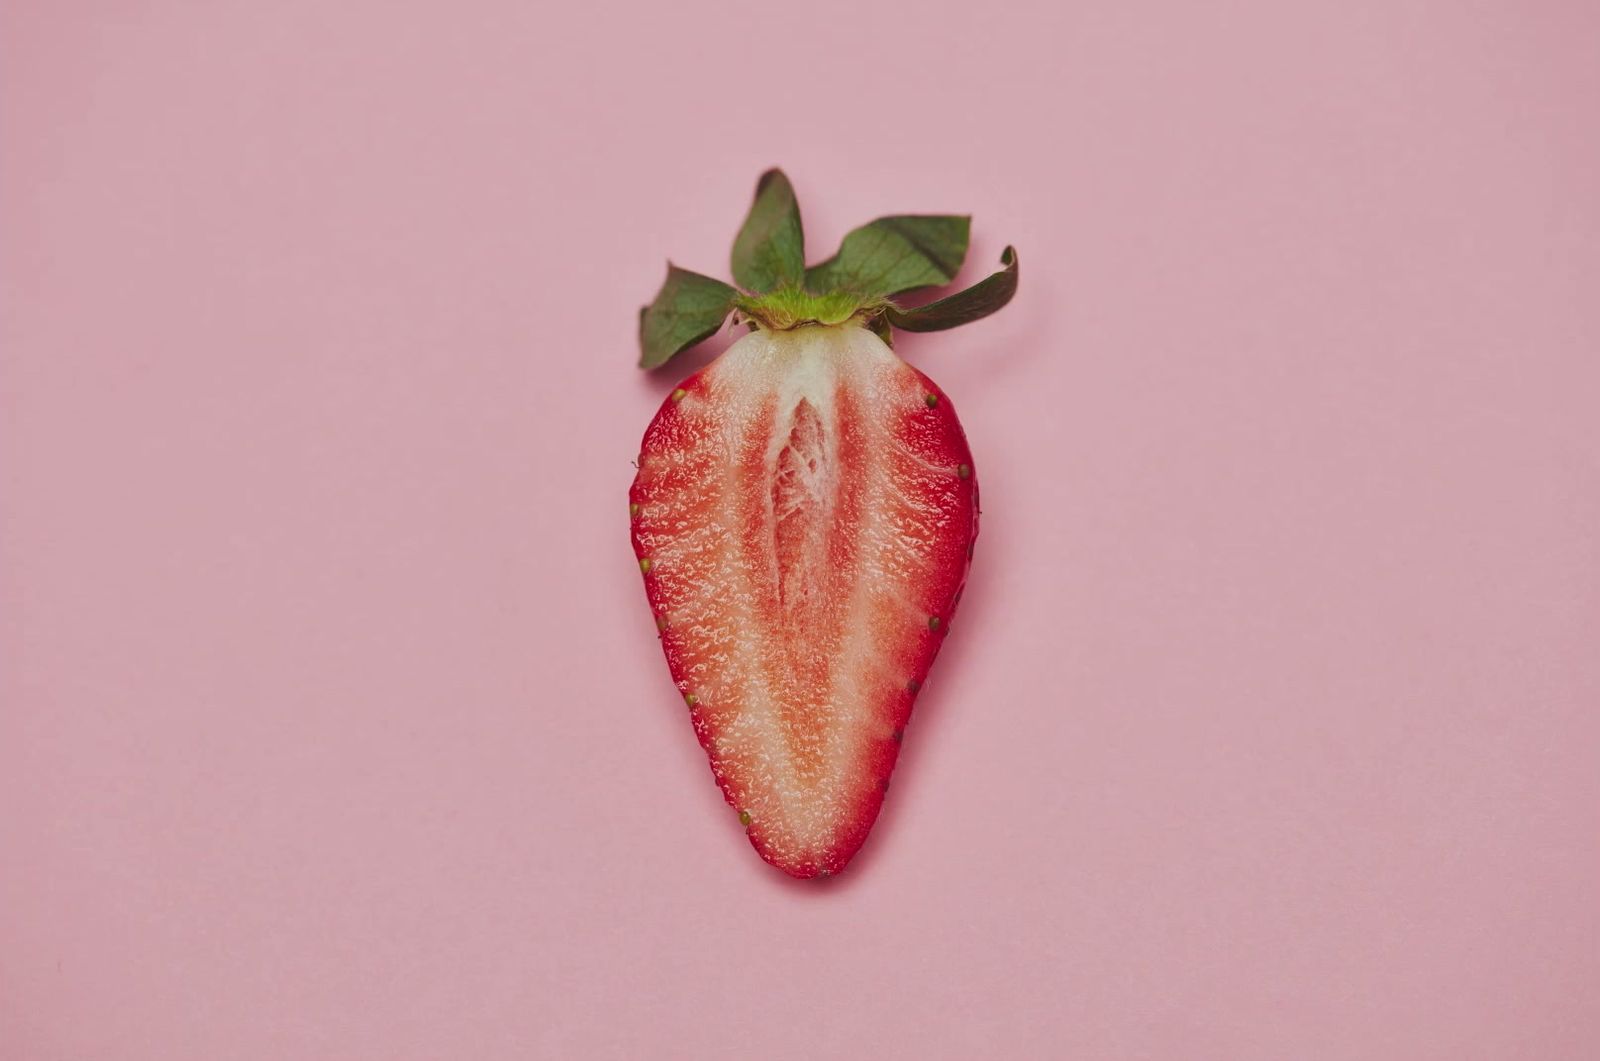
(802, 370)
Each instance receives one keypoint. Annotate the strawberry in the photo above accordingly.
(804, 516)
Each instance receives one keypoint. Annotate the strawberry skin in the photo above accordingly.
(804, 515)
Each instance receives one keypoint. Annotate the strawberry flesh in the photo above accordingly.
(804, 514)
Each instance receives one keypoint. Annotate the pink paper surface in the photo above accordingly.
(332, 718)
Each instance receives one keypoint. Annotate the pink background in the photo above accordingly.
(332, 718)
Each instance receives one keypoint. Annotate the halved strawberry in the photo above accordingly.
(804, 515)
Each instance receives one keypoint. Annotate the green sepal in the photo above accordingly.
(770, 250)
(889, 256)
(895, 254)
(688, 309)
(963, 307)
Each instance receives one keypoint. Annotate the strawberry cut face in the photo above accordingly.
(804, 515)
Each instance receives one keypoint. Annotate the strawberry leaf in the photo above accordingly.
(963, 307)
(895, 254)
(770, 251)
(688, 309)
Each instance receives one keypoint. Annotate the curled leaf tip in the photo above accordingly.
(963, 307)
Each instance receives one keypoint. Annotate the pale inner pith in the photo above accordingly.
(808, 583)
(801, 511)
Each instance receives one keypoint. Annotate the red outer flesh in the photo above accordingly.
(804, 565)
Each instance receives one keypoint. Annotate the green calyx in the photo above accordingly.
(776, 291)
(790, 307)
